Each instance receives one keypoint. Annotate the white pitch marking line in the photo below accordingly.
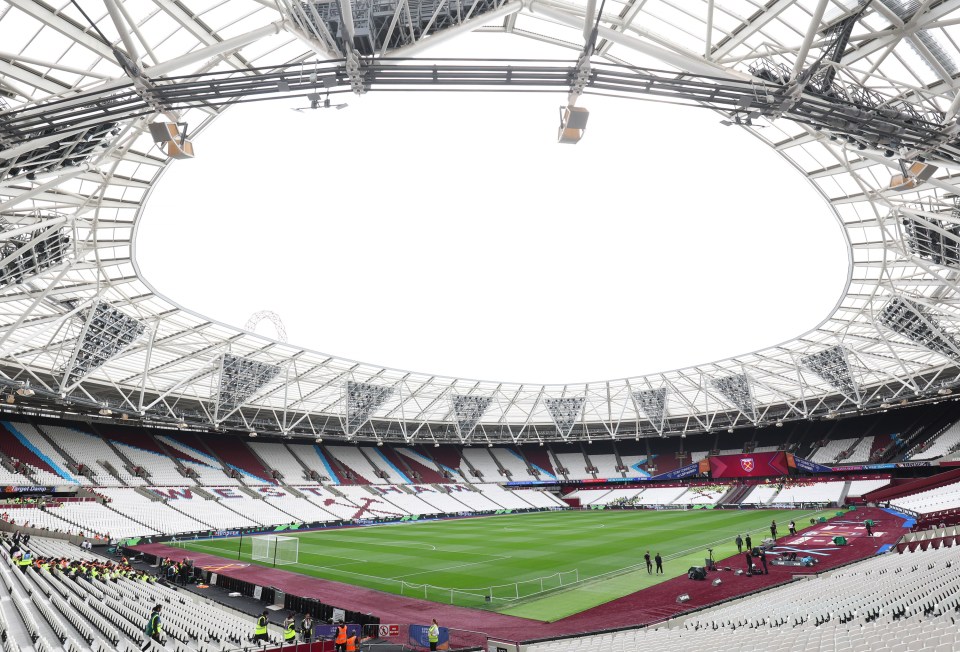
(440, 570)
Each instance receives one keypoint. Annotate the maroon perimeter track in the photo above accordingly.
(641, 608)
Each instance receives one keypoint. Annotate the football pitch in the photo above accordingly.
(543, 565)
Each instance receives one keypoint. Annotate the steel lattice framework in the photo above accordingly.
(851, 92)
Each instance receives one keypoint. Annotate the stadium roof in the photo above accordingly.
(861, 97)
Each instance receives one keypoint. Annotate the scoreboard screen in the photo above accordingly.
(749, 465)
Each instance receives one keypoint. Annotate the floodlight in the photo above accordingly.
(362, 400)
(917, 174)
(736, 389)
(920, 325)
(467, 410)
(171, 139)
(573, 122)
(831, 365)
(241, 378)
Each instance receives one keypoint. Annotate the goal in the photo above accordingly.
(275, 549)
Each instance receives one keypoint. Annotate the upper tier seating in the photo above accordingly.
(606, 465)
(279, 458)
(860, 452)
(574, 463)
(481, 460)
(91, 450)
(314, 459)
(930, 501)
(57, 463)
(355, 462)
(941, 445)
(510, 460)
(160, 468)
(208, 469)
(394, 474)
(827, 454)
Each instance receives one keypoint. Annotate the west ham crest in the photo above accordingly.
(746, 463)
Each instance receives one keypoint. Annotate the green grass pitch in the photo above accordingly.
(525, 563)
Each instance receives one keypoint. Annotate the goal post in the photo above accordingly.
(275, 549)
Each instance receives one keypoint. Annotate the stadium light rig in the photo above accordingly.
(573, 118)
(171, 137)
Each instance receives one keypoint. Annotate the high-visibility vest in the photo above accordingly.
(290, 633)
(154, 625)
(261, 627)
(433, 634)
(352, 644)
(341, 635)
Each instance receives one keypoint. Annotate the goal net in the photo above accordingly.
(275, 549)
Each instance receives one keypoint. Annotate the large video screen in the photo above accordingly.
(748, 465)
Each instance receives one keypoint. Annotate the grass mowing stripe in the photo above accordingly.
(514, 555)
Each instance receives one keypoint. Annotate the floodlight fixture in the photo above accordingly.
(832, 365)
(565, 412)
(468, 409)
(934, 239)
(916, 174)
(573, 122)
(107, 332)
(241, 378)
(736, 389)
(171, 137)
(920, 325)
(362, 399)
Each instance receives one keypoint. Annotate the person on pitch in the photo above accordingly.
(793, 528)
(773, 530)
(646, 558)
(659, 561)
(749, 542)
(739, 542)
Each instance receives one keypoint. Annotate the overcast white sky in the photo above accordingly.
(450, 233)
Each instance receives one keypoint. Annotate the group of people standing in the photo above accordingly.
(659, 561)
(290, 631)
